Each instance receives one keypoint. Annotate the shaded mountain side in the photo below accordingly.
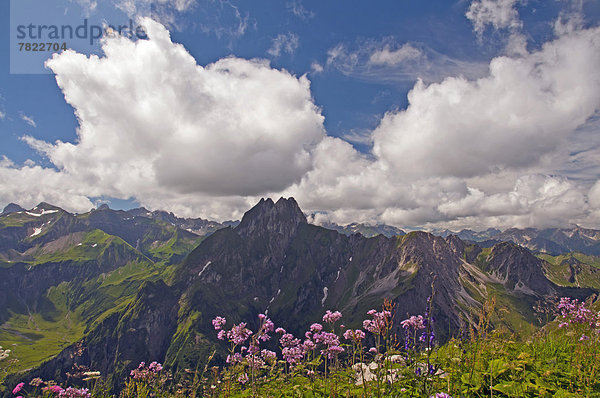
(140, 332)
(23, 285)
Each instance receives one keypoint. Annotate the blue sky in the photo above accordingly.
(345, 139)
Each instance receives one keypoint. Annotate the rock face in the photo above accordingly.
(519, 269)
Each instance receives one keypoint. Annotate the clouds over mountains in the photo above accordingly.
(208, 140)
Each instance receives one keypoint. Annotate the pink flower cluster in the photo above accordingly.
(574, 312)
(219, 322)
(379, 323)
(415, 322)
(146, 373)
(331, 342)
(71, 392)
(332, 317)
(238, 334)
(354, 335)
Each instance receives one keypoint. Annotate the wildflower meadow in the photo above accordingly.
(331, 360)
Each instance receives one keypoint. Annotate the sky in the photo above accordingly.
(418, 114)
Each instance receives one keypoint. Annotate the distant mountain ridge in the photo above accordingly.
(554, 241)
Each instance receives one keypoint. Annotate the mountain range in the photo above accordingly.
(109, 288)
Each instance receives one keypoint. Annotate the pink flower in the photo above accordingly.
(239, 333)
(71, 392)
(355, 335)
(219, 322)
(414, 322)
(332, 317)
(378, 324)
(54, 389)
(18, 388)
(243, 378)
(373, 350)
(316, 327)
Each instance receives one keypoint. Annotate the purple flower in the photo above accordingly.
(440, 395)
(268, 355)
(309, 345)
(288, 340)
(219, 322)
(280, 330)
(239, 333)
(316, 327)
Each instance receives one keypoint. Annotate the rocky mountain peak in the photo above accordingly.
(12, 208)
(519, 268)
(282, 217)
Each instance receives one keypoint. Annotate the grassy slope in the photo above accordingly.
(74, 308)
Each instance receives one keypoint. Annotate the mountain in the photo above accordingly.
(468, 234)
(273, 261)
(197, 226)
(553, 241)
(12, 208)
(365, 230)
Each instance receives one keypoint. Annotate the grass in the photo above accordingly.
(555, 361)
(34, 339)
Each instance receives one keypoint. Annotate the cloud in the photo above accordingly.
(29, 185)
(161, 128)
(284, 43)
(88, 6)
(386, 61)
(316, 68)
(524, 109)
(500, 14)
(298, 10)
(29, 120)
(476, 152)
(2, 115)
(224, 19)
(385, 56)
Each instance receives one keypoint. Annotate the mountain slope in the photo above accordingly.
(275, 262)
